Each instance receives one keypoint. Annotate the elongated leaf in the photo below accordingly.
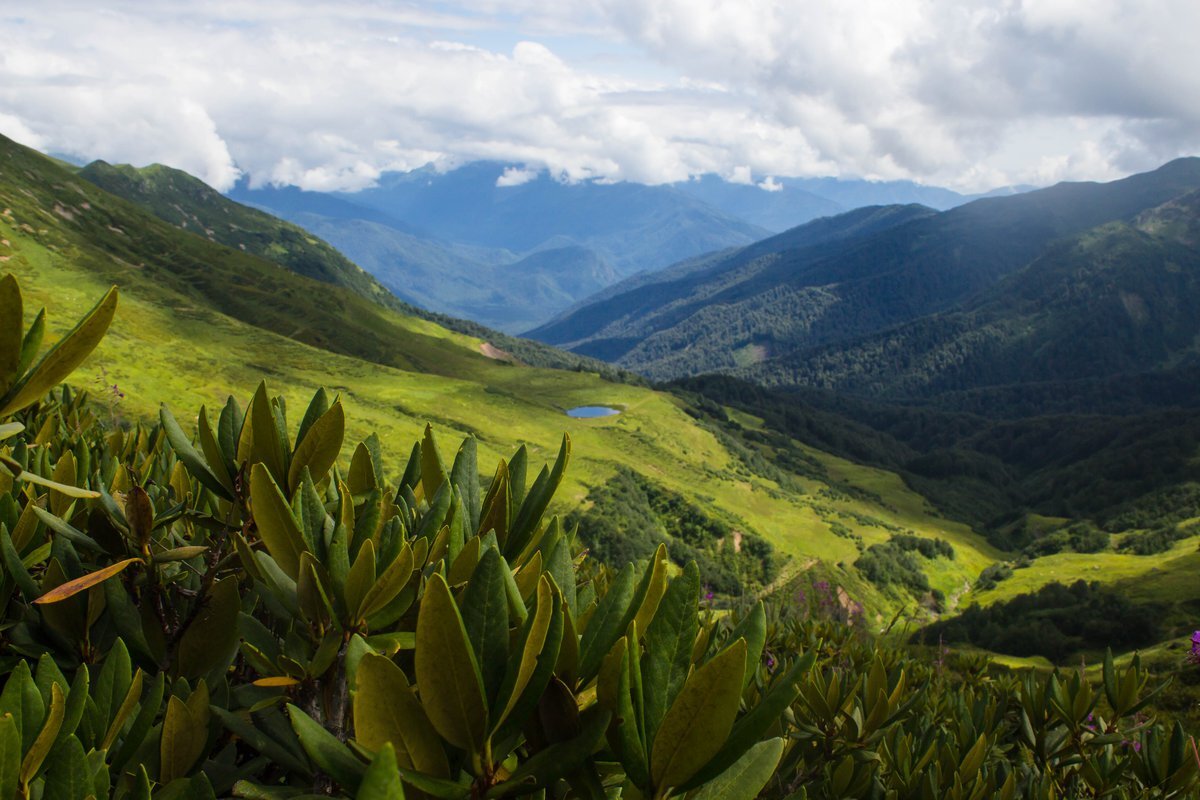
(260, 741)
(747, 776)
(330, 755)
(46, 738)
(62, 528)
(388, 585)
(183, 739)
(21, 474)
(387, 711)
(10, 755)
(382, 778)
(518, 678)
(433, 469)
(698, 722)
(217, 459)
(132, 696)
(211, 639)
(752, 628)
(74, 587)
(62, 359)
(436, 787)
(447, 672)
(485, 618)
(11, 320)
(750, 728)
(276, 526)
(535, 503)
(465, 477)
(68, 776)
(265, 444)
(320, 447)
(361, 578)
(669, 641)
(607, 623)
(196, 464)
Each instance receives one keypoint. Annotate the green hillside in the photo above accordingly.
(1118, 300)
(1111, 500)
(189, 203)
(199, 321)
(811, 294)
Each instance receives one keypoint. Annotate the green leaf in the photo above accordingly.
(485, 618)
(11, 320)
(752, 628)
(211, 640)
(195, 463)
(68, 776)
(393, 581)
(537, 500)
(465, 477)
(261, 441)
(276, 526)
(433, 469)
(132, 696)
(436, 787)
(387, 711)
(361, 578)
(521, 669)
(13, 566)
(747, 776)
(382, 779)
(260, 741)
(699, 721)
(62, 359)
(330, 755)
(447, 673)
(142, 723)
(46, 738)
(320, 447)
(217, 460)
(669, 641)
(10, 756)
(316, 409)
(748, 730)
(608, 622)
(184, 736)
(22, 699)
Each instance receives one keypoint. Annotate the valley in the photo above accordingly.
(834, 485)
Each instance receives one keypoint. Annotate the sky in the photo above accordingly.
(328, 94)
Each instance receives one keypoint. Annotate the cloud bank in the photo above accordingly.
(328, 95)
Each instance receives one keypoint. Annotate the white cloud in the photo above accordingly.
(514, 176)
(328, 95)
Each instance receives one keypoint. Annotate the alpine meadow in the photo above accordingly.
(621, 401)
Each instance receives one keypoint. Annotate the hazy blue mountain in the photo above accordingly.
(830, 286)
(454, 242)
(793, 201)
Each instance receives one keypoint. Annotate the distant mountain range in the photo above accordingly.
(455, 242)
(1080, 282)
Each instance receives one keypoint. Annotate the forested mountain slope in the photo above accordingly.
(782, 297)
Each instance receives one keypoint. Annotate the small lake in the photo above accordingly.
(592, 412)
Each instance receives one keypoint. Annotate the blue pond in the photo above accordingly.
(591, 412)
